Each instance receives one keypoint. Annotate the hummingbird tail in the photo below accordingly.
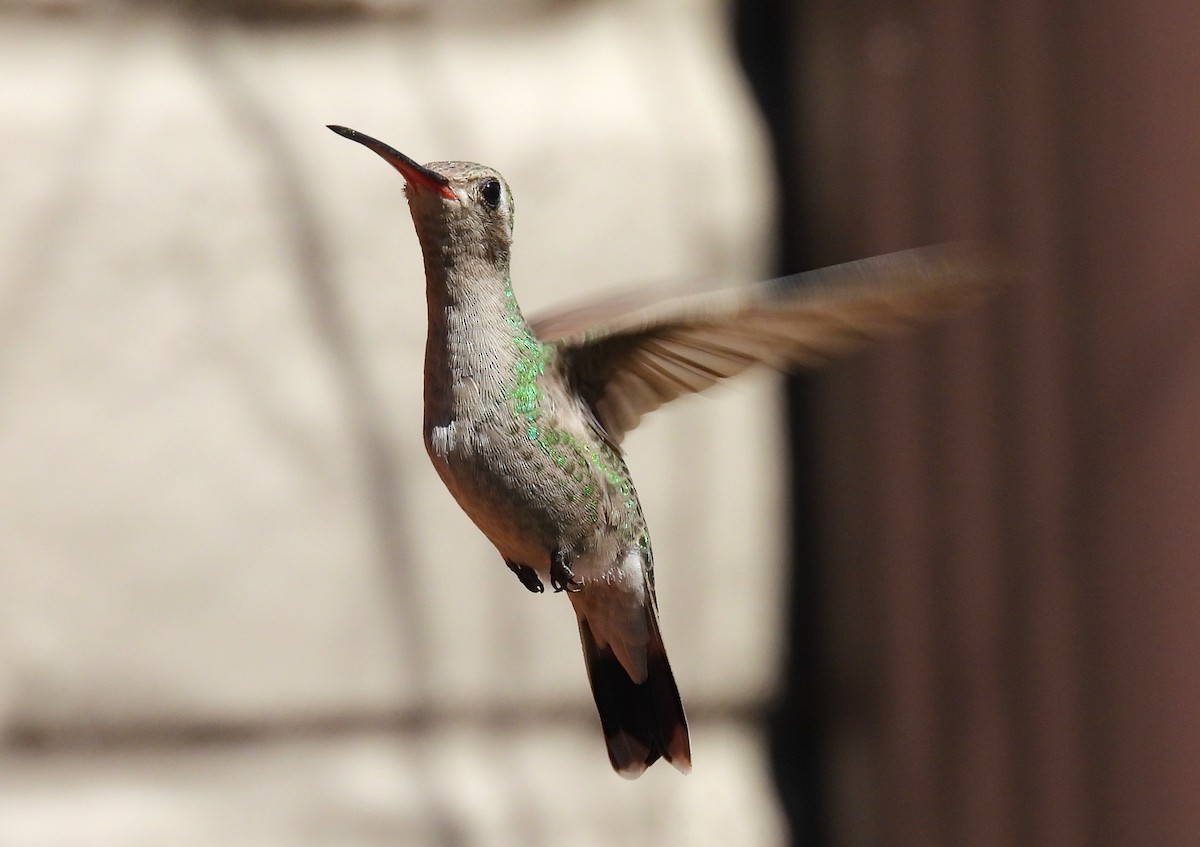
(641, 721)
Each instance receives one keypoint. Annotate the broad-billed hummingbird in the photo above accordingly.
(524, 420)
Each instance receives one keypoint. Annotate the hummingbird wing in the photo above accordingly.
(646, 355)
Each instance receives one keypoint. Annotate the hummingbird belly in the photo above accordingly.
(537, 489)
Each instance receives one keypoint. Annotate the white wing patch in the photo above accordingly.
(441, 439)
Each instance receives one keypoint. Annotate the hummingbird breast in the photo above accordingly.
(520, 454)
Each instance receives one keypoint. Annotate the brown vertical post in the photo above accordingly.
(973, 516)
(1035, 372)
(1134, 196)
(909, 794)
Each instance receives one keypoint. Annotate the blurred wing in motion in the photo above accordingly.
(637, 357)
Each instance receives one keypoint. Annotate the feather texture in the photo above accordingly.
(635, 357)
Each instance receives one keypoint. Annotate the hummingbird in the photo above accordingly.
(523, 420)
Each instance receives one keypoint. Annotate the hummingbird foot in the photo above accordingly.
(527, 575)
(561, 577)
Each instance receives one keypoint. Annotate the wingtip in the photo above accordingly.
(642, 721)
(631, 772)
(637, 764)
(679, 750)
(629, 756)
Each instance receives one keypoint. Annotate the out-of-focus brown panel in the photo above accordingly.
(897, 487)
(1133, 127)
(1036, 486)
(963, 701)
(1016, 550)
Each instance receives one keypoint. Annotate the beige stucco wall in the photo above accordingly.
(216, 518)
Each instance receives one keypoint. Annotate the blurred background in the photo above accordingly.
(943, 593)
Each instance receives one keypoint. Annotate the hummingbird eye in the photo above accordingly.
(489, 192)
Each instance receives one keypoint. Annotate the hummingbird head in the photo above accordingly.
(463, 212)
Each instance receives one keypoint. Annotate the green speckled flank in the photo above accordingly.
(526, 394)
(568, 452)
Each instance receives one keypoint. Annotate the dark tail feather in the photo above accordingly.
(641, 722)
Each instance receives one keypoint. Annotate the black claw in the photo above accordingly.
(527, 575)
(561, 578)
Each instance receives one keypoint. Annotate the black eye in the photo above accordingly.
(489, 192)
